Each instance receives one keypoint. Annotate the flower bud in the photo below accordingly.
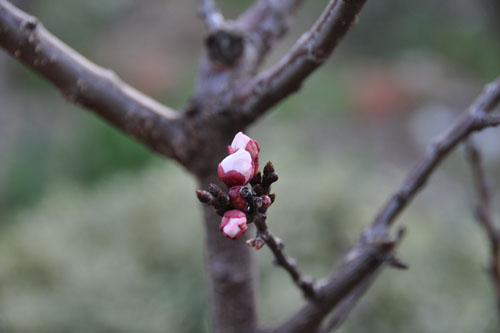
(236, 169)
(233, 224)
(205, 197)
(259, 243)
(237, 200)
(266, 201)
(242, 141)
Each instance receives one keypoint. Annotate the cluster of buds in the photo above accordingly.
(248, 191)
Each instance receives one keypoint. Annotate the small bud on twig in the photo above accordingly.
(223, 198)
(258, 190)
(236, 169)
(257, 179)
(396, 263)
(205, 197)
(266, 201)
(245, 192)
(257, 202)
(213, 189)
(237, 200)
(268, 168)
(234, 224)
(279, 243)
(259, 243)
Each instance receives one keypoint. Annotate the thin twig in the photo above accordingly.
(484, 214)
(370, 254)
(310, 52)
(261, 185)
(306, 284)
(209, 13)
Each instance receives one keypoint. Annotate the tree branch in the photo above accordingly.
(363, 261)
(374, 247)
(231, 281)
(282, 259)
(341, 311)
(484, 215)
(82, 82)
(474, 119)
(311, 50)
(257, 209)
(209, 13)
(266, 22)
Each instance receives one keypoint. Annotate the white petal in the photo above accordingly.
(240, 141)
(241, 161)
(239, 220)
(231, 229)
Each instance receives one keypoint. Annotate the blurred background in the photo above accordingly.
(99, 234)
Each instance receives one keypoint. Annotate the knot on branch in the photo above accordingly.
(316, 54)
(225, 47)
(379, 243)
(386, 250)
(308, 287)
(30, 24)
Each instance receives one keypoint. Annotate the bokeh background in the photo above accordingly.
(99, 234)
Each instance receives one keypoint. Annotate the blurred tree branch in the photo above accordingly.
(266, 22)
(484, 214)
(375, 247)
(212, 17)
(81, 81)
(310, 52)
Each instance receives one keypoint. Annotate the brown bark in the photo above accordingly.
(231, 276)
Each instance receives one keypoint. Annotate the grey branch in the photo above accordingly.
(266, 22)
(87, 84)
(310, 52)
(361, 262)
(375, 247)
(209, 13)
(476, 118)
(341, 311)
(484, 215)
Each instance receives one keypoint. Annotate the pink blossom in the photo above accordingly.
(237, 200)
(242, 141)
(266, 201)
(233, 224)
(236, 169)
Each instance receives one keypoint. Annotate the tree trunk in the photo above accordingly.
(230, 276)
